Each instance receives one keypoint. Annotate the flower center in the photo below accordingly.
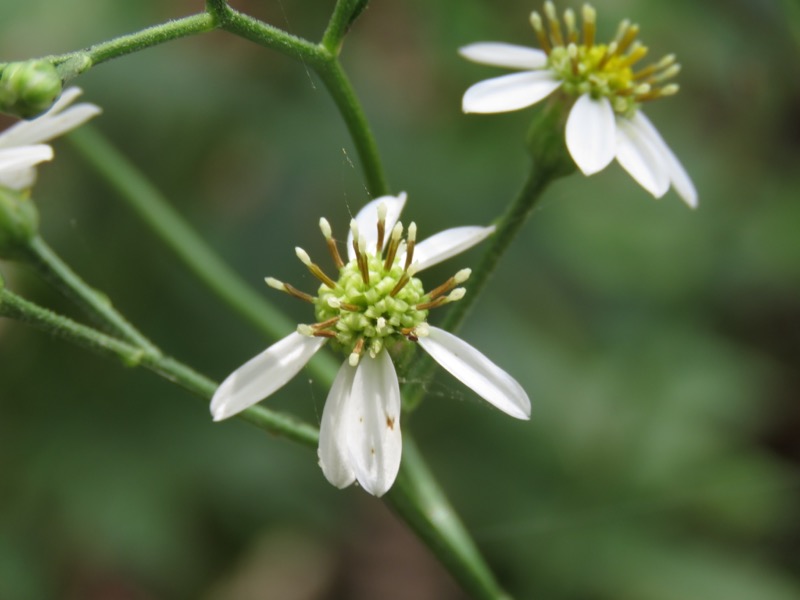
(376, 300)
(602, 70)
(373, 313)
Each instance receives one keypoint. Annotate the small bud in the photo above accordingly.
(303, 256)
(325, 227)
(29, 88)
(462, 276)
(275, 284)
(412, 232)
(456, 294)
(19, 222)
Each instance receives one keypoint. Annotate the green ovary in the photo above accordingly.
(380, 316)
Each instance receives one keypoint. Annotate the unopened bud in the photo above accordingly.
(29, 88)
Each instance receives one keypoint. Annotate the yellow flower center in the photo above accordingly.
(601, 70)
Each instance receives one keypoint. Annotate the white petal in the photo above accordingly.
(500, 54)
(374, 440)
(590, 134)
(477, 372)
(367, 221)
(263, 375)
(18, 179)
(55, 122)
(677, 174)
(334, 430)
(15, 159)
(641, 158)
(509, 92)
(447, 243)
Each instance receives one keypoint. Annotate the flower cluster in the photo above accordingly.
(374, 305)
(22, 145)
(605, 121)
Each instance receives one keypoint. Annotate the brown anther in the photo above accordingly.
(443, 289)
(334, 251)
(390, 422)
(349, 307)
(324, 324)
(320, 274)
(432, 304)
(326, 333)
(381, 233)
(411, 240)
(404, 279)
(359, 347)
(391, 250)
(361, 259)
(295, 293)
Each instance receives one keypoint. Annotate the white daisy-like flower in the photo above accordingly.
(605, 121)
(22, 145)
(375, 305)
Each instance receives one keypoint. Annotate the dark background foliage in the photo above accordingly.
(659, 345)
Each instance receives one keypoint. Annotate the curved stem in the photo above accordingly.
(191, 249)
(419, 500)
(126, 44)
(344, 14)
(508, 226)
(96, 304)
(15, 307)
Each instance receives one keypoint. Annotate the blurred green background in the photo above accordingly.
(660, 345)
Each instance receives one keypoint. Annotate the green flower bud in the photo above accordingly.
(19, 222)
(29, 88)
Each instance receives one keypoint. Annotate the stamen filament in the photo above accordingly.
(328, 234)
(381, 225)
(411, 239)
(356, 353)
(538, 28)
(361, 257)
(630, 34)
(569, 21)
(315, 270)
(404, 279)
(448, 285)
(555, 24)
(589, 25)
(324, 324)
(394, 242)
(637, 53)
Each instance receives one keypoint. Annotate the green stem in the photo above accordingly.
(96, 304)
(551, 161)
(344, 14)
(419, 500)
(127, 44)
(15, 307)
(151, 206)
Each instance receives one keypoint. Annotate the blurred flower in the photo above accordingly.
(605, 121)
(375, 304)
(21, 146)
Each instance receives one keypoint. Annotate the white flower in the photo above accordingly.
(605, 121)
(22, 147)
(375, 304)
